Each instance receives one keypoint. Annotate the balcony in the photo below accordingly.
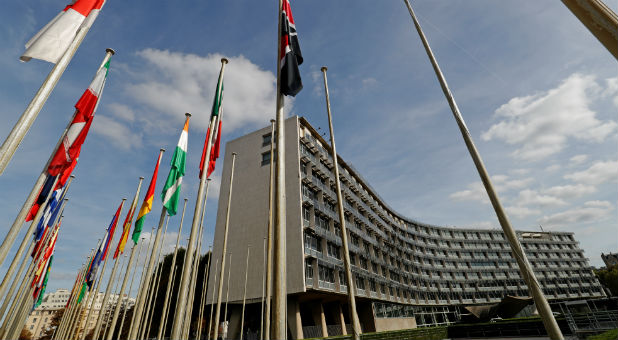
(326, 285)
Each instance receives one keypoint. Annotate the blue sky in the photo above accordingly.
(538, 92)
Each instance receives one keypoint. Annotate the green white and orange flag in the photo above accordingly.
(147, 205)
(127, 226)
(171, 191)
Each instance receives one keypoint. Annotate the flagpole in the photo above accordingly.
(131, 257)
(17, 134)
(244, 295)
(524, 266)
(196, 260)
(167, 302)
(269, 252)
(19, 318)
(344, 235)
(20, 291)
(142, 283)
(227, 298)
(98, 283)
(126, 308)
(155, 285)
(205, 279)
(181, 305)
(212, 305)
(110, 282)
(116, 291)
(140, 302)
(279, 329)
(173, 265)
(7, 243)
(70, 304)
(224, 250)
(263, 293)
(76, 316)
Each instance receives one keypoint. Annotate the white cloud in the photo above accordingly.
(570, 190)
(118, 133)
(578, 159)
(591, 211)
(540, 124)
(174, 83)
(553, 168)
(598, 173)
(532, 197)
(521, 212)
(611, 90)
(476, 191)
(122, 111)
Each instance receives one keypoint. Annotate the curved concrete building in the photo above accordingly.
(407, 273)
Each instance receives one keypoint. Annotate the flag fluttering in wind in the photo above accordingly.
(111, 229)
(217, 108)
(103, 247)
(76, 135)
(171, 190)
(147, 205)
(49, 216)
(126, 228)
(52, 41)
(40, 291)
(290, 55)
(45, 190)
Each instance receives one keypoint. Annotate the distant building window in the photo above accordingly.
(266, 139)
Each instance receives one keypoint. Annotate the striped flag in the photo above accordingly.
(103, 247)
(217, 108)
(52, 41)
(171, 190)
(147, 205)
(289, 53)
(40, 291)
(126, 227)
(76, 135)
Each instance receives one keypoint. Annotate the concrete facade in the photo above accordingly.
(407, 273)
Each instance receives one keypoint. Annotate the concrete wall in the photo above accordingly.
(249, 214)
(392, 324)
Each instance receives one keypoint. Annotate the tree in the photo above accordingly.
(55, 322)
(609, 278)
(25, 335)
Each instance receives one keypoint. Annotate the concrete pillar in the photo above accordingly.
(344, 331)
(323, 321)
(294, 319)
(233, 330)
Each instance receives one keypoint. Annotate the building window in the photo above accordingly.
(313, 242)
(308, 269)
(360, 282)
(326, 274)
(266, 139)
(266, 158)
(333, 251)
(306, 215)
(308, 192)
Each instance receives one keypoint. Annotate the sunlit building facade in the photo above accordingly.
(407, 273)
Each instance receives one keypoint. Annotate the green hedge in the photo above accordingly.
(609, 335)
(426, 333)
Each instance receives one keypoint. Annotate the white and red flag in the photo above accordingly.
(76, 135)
(52, 41)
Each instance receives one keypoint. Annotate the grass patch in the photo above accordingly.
(609, 335)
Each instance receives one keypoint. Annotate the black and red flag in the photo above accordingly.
(289, 53)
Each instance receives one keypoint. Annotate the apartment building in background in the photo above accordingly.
(407, 273)
(40, 319)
